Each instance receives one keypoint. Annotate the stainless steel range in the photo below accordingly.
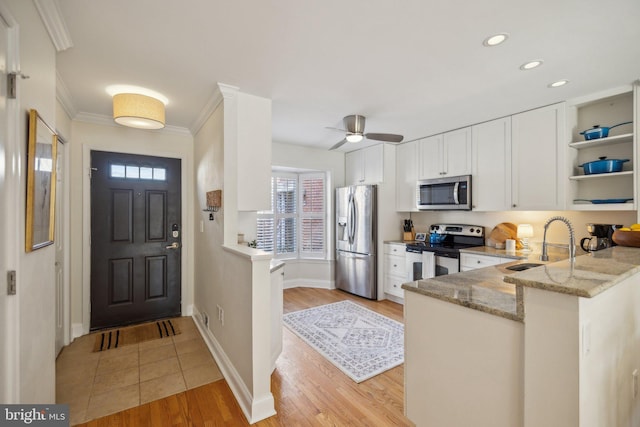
(451, 238)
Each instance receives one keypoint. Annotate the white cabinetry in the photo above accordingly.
(406, 176)
(538, 168)
(473, 261)
(448, 154)
(611, 191)
(365, 166)
(491, 165)
(395, 273)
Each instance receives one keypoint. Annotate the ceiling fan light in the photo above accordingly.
(138, 111)
(354, 137)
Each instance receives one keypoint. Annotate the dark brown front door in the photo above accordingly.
(136, 235)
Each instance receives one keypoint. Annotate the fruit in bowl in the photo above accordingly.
(627, 236)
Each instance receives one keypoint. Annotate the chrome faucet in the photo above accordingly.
(572, 245)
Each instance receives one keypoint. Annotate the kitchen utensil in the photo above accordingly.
(436, 238)
(502, 232)
(602, 201)
(603, 165)
(627, 238)
(598, 131)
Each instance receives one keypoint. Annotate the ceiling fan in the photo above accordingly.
(354, 125)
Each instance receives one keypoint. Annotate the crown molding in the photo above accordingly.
(51, 16)
(206, 112)
(64, 97)
(99, 119)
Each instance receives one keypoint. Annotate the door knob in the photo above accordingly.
(174, 245)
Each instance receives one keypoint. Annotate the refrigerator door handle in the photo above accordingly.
(352, 219)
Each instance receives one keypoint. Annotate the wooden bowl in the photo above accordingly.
(627, 238)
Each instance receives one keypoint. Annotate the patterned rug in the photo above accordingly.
(358, 341)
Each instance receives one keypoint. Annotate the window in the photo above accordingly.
(295, 225)
(135, 172)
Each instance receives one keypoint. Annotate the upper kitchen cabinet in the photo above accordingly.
(538, 159)
(365, 166)
(491, 167)
(444, 155)
(406, 176)
(603, 191)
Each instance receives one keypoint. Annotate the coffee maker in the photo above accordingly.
(600, 237)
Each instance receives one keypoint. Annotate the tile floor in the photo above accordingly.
(102, 383)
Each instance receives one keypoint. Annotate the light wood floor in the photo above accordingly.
(308, 390)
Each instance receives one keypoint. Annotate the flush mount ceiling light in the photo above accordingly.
(531, 65)
(354, 137)
(138, 111)
(495, 40)
(558, 83)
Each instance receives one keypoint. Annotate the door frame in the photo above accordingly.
(186, 304)
(10, 357)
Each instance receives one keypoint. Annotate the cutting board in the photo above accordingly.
(502, 232)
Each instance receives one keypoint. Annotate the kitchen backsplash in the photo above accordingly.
(556, 233)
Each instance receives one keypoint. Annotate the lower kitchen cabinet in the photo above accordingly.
(395, 272)
(473, 261)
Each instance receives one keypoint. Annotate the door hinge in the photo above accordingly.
(11, 282)
(11, 85)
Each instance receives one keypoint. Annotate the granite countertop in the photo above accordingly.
(275, 264)
(588, 276)
(498, 291)
(482, 289)
(555, 254)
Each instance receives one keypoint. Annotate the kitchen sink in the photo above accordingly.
(523, 266)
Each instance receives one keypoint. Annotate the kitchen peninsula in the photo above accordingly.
(556, 345)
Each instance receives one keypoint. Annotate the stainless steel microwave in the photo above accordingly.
(450, 193)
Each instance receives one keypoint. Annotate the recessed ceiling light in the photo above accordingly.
(495, 39)
(531, 65)
(559, 83)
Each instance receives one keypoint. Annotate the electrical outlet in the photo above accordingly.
(222, 316)
(219, 313)
(634, 382)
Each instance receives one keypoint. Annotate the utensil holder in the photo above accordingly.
(408, 236)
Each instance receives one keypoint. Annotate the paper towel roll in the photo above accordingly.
(510, 245)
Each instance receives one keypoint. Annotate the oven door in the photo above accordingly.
(446, 265)
(420, 265)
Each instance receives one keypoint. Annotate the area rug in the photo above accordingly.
(358, 341)
(116, 338)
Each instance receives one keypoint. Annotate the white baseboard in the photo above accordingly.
(394, 298)
(77, 330)
(189, 310)
(306, 283)
(254, 409)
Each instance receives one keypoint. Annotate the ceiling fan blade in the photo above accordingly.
(338, 145)
(332, 128)
(388, 137)
(354, 123)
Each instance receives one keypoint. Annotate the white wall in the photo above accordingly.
(35, 272)
(90, 136)
(612, 322)
(235, 279)
(462, 367)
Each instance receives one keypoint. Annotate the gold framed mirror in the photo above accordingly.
(41, 183)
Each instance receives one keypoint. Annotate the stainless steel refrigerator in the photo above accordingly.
(356, 266)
